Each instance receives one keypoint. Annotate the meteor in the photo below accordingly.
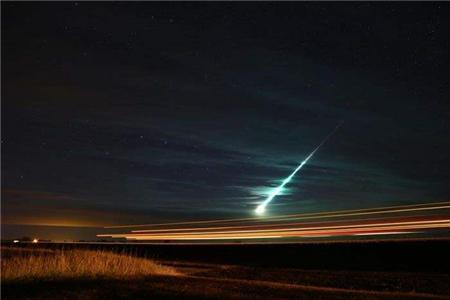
(262, 207)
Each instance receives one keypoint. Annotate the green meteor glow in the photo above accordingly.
(262, 207)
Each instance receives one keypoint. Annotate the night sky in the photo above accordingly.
(118, 113)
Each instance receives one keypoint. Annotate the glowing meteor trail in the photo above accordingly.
(262, 207)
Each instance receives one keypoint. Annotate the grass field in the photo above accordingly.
(37, 273)
(38, 264)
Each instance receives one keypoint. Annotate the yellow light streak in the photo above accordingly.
(290, 232)
(333, 214)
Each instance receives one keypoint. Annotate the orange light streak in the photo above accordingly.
(342, 213)
(290, 232)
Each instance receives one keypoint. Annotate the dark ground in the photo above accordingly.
(356, 270)
(428, 255)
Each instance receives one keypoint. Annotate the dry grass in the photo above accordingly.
(18, 264)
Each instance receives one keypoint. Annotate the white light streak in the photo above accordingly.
(262, 207)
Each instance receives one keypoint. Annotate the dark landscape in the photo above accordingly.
(415, 269)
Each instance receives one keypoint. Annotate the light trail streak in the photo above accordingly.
(291, 232)
(300, 233)
(387, 220)
(384, 233)
(304, 228)
(296, 234)
(217, 238)
(341, 213)
(326, 227)
(305, 218)
(262, 207)
(290, 224)
(377, 212)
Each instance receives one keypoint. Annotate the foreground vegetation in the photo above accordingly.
(33, 273)
(33, 264)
